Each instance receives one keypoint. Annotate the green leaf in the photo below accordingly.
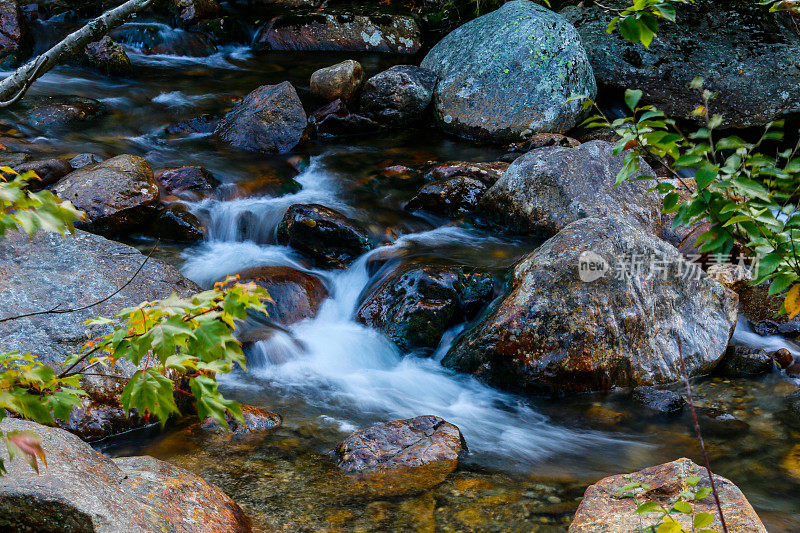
(682, 507)
(702, 520)
(629, 28)
(632, 97)
(649, 507)
(702, 493)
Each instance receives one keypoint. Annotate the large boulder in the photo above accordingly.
(118, 195)
(326, 236)
(550, 187)
(508, 75)
(80, 489)
(15, 39)
(399, 95)
(339, 81)
(270, 119)
(74, 271)
(415, 305)
(640, 303)
(746, 55)
(402, 456)
(602, 510)
(318, 31)
(296, 295)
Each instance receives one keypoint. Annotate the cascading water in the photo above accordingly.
(350, 373)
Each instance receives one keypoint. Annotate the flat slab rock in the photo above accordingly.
(402, 456)
(81, 490)
(603, 511)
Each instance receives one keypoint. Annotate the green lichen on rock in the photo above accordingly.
(509, 74)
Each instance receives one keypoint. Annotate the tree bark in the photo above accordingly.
(14, 87)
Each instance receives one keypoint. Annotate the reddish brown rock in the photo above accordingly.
(15, 40)
(402, 456)
(118, 195)
(81, 489)
(783, 358)
(193, 180)
(603, 511)
(296, 295)
(340, 32)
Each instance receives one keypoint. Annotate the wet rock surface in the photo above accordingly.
(602, 510)
(744, 361)
(744, 54)
(346, 32)
(452, 198)
(659, 400)
(403, 456)
(271, 119)
(117, 195)
(15, 39)
(186, 180)
(48, 170)
(399, 95)
(555, 332)
(414, 306)
(487, 173)
(175, 222)
(156, 39)
(296, 295)
(326, 236)
(108, 57)
(82, 490)
(507, 75)
(550, 187)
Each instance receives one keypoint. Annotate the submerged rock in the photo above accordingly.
(118, 195)
(555, 332)
(270, 119)
(202, 124)
(336, 119)
(508, 74)
(401, 457)
(659, 401)
(15, 40)
(548, 188)
(108, 57)
(399, 95)
(452, 198)
(257, 421)
(60, 113)
(745, 55)
(344, 32)
(602, 509)
(81, 489)
(414, 306)
(296, 295)
(326, 236)
(339, 81)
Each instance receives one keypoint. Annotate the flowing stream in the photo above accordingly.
(529, 459)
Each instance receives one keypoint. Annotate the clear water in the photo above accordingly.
(530, 458)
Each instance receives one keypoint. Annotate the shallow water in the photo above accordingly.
(530, 458)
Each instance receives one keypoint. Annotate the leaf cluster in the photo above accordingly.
(682, 505)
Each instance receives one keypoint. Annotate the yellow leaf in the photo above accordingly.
(792, 301)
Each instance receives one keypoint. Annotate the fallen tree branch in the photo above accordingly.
(14, 87)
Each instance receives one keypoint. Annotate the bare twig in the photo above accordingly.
(700, 437)
(56, 311)
(14, 87)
